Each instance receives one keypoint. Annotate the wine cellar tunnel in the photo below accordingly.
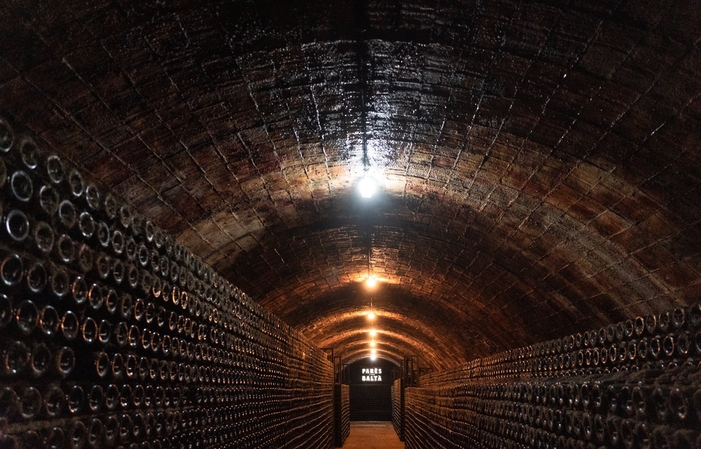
(212, 209)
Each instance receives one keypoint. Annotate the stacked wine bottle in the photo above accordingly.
(634, 384)
(398, 408)
(342, 413)
(114, 335)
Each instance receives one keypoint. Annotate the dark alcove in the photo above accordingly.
(370, 390)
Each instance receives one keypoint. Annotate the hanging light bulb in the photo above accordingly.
(371, 315)
(373, 333)
(372, 343)
(373, 357)
(367, 187)
(371, 282)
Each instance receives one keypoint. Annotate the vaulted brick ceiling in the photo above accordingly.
(539, 160)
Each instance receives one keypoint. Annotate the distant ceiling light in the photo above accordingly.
(371, 282)
(372, 343)
(371, 316)
(367, 187)
(373, 357)
(373, 333)
(373, 351)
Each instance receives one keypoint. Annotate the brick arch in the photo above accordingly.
(351, 343)
(539, 162)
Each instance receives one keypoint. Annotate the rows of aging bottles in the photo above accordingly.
(342, 413)
(398, 409)
(114, 335)
(655, 341)
(635, 384)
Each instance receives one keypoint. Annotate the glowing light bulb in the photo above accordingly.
(372, 343)
(367, 187)
(373, 333)
(371, 282)
(373, 357)
(371, 316)
(373, 351)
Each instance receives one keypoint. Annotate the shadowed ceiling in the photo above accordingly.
(538, 161)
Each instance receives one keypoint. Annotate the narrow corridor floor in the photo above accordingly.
(372, 435)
